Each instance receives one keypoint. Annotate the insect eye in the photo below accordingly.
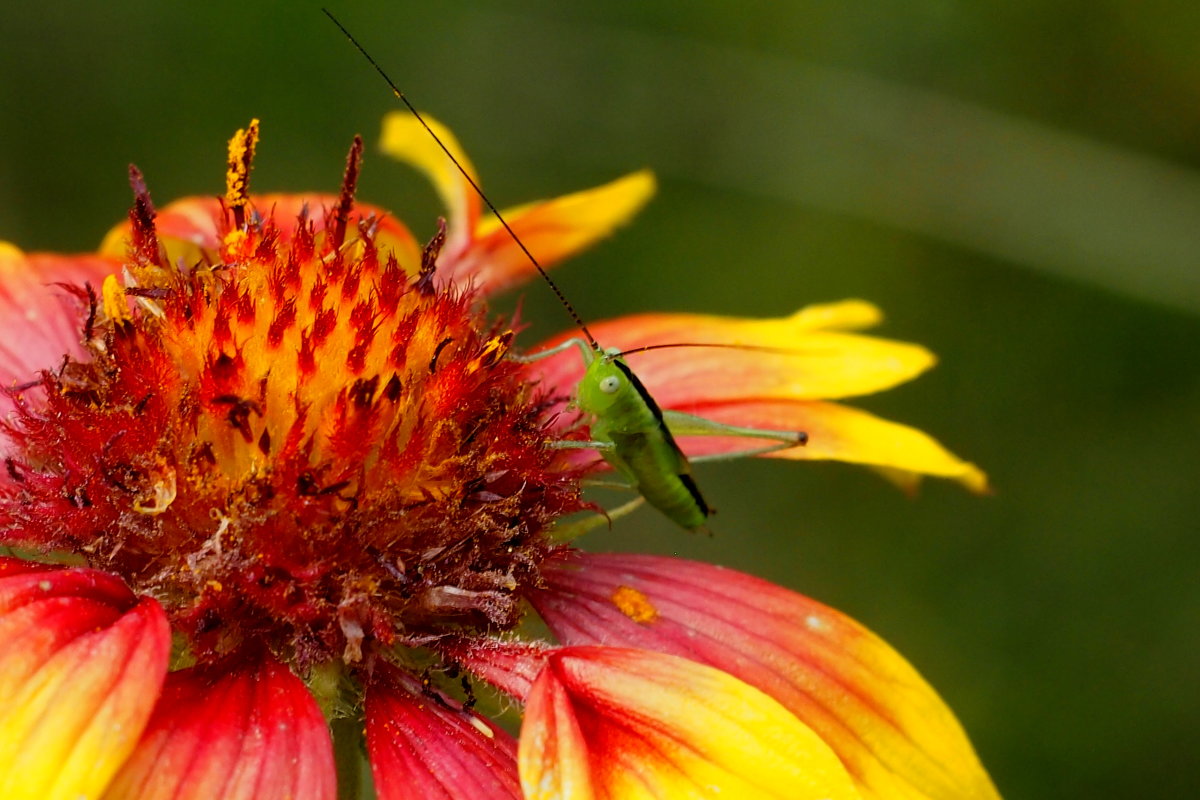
(610, 384)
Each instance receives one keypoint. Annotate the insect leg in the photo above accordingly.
(570, 444)
(621, 485)
(681, 424)
(573, 530)
(589, 354)
(753, 451)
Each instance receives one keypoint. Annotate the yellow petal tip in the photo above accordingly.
(975, 479)
(846, 315)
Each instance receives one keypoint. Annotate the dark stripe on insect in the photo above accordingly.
(684, 478)
(694, 491)
(646, 398)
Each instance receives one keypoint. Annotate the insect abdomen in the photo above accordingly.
(660, 474)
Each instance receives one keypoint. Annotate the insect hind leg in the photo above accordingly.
(681, 424)
(753, 451)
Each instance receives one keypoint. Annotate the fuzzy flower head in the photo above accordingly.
(294, 443)
(280, 467)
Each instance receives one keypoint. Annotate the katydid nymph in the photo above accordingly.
(626, 425)
(637, 438)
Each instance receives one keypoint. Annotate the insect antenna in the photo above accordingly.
(726, 345)
(562, 298)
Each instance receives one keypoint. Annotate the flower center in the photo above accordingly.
(295, 442)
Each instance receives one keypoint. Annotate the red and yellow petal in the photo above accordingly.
(890, 729)
(40, 321)
(612, 723)
(81, 665)
(775, 391)
(553, 230)
(190, 228)
(406, 139)
(242, 733)
(840, 433)
(479, 250)
(815, 364)
(426, 748)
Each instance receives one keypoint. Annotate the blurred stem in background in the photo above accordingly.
(1000, 185)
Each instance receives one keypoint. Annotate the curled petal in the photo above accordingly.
(190, 228)
(480, 250)
(817, 364)
(81, 664)
(405, 139)
(605, 722)
(840, 433)
(40, 322)
(249, 731)
(894, 734)
(425, 747)
(553, 230)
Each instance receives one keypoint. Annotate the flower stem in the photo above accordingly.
(349, 754)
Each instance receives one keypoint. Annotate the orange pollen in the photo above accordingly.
(237, 171)
(635, 605)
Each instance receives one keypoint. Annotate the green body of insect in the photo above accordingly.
(637, 438)
(625, 416)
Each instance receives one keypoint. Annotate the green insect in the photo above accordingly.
(637, 438)
(642, 447)
(627, 427)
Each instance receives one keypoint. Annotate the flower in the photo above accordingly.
(271, 468)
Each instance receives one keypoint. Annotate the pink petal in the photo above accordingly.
(41, 322)
(511, 667)
(241, 731)
(888, 726)
(425, 747)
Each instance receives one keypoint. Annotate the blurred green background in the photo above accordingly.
(1015, 183)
